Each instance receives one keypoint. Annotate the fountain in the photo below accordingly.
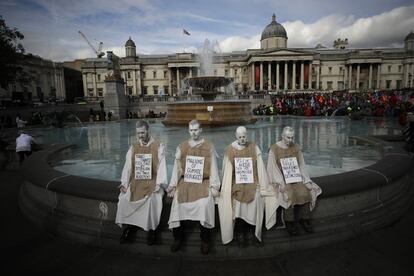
(360, 200)
(210, 111)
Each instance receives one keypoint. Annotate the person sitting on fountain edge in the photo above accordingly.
(240, 204)
(194, 184)
(293, 189)
(143, 180)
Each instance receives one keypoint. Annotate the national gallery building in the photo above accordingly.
(274, 67)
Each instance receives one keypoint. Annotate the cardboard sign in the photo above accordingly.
(143, 166)
(243, 169)
(194, 168)
(290, 169)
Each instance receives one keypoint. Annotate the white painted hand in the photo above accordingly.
(171, 191)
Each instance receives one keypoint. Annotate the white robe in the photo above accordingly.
(146, 212)
(276, 181)
(230, 209)
(201, 210)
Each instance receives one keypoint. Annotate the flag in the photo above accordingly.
(185, 32)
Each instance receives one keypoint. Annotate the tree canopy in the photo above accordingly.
(11, 54)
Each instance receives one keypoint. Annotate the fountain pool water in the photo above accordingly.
(100, 148)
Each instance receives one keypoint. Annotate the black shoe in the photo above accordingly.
(241, 240)
(176, 246)
(292, 229)
(307, 226)
(205, 248)
(151, 237)
(125, 235)
(128, 235)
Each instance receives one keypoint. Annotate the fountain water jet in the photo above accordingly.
(209, 111)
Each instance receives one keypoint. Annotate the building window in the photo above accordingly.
(399, 68)
(389, 68)
(329, 70)
(129, 90)
(154, 74)
(129, 75)
(165, 74)
(329, 85)
(388, 83)
(398, 84)
(341, 85)
(100, 92)
(99, 77)
(235, 72)
(226, 72)
(155, 89)
(340, 70)
(145, 90)
(215, 72)
(144, 75)
(90, 92)
(166, 91)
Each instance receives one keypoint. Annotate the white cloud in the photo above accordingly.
(238, 43)
(384, 30)
(52, 32)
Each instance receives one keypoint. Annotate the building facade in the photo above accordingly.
(46, 81)
(275, 67)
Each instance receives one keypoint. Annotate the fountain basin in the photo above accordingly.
(210, 113)
(352, 203)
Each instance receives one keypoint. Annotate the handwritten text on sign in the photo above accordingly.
(243, 168)
(291, 170)
(194, 168)
(143, 166)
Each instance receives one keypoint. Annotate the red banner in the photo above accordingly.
(306, 72)
(257, 76)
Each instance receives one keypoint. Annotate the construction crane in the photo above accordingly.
(98, 52)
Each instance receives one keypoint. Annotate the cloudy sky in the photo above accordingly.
(51, 26)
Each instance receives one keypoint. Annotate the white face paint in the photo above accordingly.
(241, 137)
(195, 131)
(142, 135)
(288, 137)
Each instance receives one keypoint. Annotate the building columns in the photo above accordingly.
(285, 84)
(269, 75)
(294, 75)
(412, 76)
(277, 76)
(169, 82)
(85, 85)
(317, 76)
(301, 75)
(310, 75)
(357, 76)
(350, 77)
(370, 77)
(378, 75)
(95, 90)
(253, 87)
(178, 81)
(134, 79)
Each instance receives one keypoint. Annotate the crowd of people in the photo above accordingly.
(379, 103)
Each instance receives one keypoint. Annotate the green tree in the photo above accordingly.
(11, 55)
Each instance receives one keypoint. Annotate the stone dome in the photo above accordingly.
(410, 36)
(129, 43)
(274, 29)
